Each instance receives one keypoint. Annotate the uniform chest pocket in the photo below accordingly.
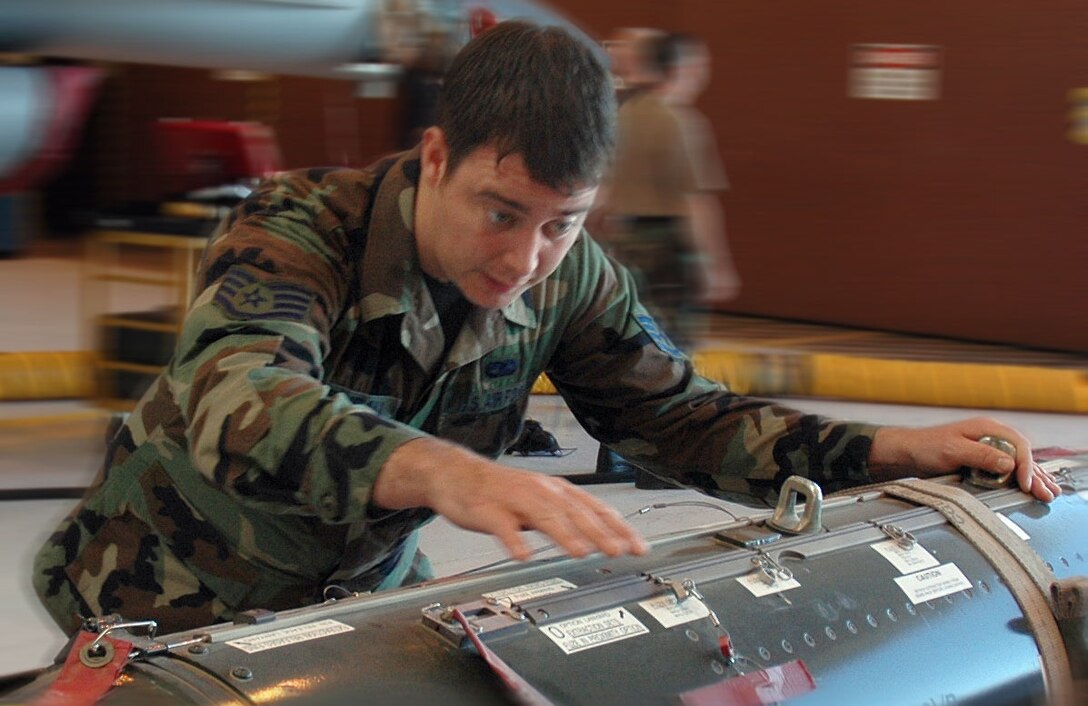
(384, 405)
(486, 433)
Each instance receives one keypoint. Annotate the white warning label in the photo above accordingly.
(594, 630)
(933, 583)
(289, 636)
(524, 592)
(1016, 529)
(906, 560)
(759, 587)
(669, 612)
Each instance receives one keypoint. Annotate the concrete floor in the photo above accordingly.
(41, 311)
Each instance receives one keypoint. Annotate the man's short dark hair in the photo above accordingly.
(534, 91)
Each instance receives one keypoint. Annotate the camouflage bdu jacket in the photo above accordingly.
(243, 477)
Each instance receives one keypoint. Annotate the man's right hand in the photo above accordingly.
(481, 495)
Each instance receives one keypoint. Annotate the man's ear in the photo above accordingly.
(434, 155)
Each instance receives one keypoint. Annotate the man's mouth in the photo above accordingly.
(500, 287)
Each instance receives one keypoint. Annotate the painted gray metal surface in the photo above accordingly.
(330, 38)
(319, 38)
(283, 36)
(863, 640)
(26, 97)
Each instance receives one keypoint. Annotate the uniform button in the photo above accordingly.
(328, 502)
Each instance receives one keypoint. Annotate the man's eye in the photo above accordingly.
(500, 218)
(560, 228)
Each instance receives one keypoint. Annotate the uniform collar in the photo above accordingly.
(392, 281)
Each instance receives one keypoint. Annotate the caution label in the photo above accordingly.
(528, 591)
(906, 560)
(289, 636)
(594, 630)
(929, 584)
(759, 587)
(668, 611)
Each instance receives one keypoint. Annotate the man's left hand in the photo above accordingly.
(898, 452)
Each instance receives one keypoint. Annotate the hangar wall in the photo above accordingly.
(963, 216)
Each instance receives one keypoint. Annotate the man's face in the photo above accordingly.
(488, 227)
(622, 56)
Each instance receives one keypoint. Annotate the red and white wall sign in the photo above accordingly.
(895, 71)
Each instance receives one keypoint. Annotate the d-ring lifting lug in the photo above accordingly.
(785, 518)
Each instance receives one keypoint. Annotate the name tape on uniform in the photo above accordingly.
(929, 584)
(669, 612)
(289, 636)
(527, 591)
(907, 560)
(594, 630)
(758, 587)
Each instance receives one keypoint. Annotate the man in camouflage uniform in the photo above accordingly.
(363, 346)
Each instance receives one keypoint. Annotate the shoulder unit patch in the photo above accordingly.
(649, 325)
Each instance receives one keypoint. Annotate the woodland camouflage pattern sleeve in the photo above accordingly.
(248, 368)
(638, 394)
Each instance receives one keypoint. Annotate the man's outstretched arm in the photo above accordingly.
(481, 495)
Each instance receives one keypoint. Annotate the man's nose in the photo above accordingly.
(520, 260)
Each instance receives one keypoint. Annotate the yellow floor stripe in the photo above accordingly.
(947, 384)
(45, 375)
(22, 432)
(774, 370)
(89, 416)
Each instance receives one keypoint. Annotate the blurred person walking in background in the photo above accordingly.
(660, 214)
(688, 59)
(422, 82)
(661, 217)
(628, 68)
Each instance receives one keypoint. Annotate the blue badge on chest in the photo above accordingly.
(501, 368)
(658, 336)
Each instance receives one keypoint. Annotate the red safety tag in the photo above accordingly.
(765, 686)
(81, 685)
(522, 691)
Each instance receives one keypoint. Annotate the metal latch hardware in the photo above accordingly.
(687, 589)
(904, 539)
(770, 571)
